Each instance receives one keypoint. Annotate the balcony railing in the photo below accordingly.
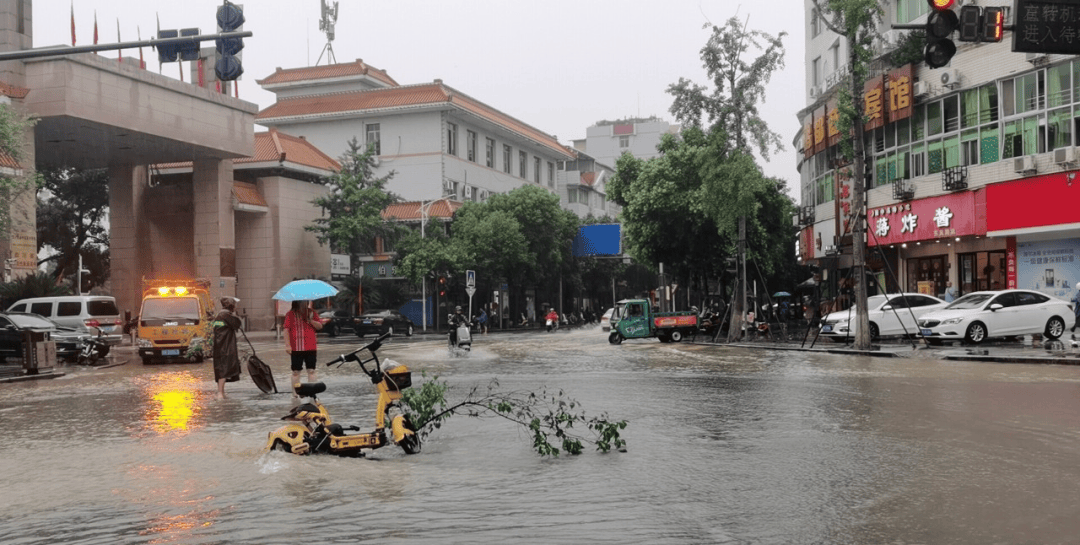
(806, 215)
(903, 190)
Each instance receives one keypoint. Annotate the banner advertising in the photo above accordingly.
(1049, 266)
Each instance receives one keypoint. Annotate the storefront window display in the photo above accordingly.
(928, 274)
(982, 271)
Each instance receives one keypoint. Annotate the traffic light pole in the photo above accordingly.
(57, 51)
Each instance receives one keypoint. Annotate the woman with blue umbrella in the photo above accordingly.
(301, 323)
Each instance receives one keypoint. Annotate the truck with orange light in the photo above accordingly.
(175, 320)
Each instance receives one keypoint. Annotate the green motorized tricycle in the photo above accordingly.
(639, 320)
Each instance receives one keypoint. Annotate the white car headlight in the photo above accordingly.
(952, 321)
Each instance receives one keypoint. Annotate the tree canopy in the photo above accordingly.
(72, 206)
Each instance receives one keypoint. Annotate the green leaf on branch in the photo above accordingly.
(546, 416)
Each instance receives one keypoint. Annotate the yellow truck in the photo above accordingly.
(175, 320)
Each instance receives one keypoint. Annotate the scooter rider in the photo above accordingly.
(456, 319)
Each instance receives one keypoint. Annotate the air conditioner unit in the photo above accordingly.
(921, 88)
(891, 38)
(950, 78)
(1064, 155)
(1024, 164)
(1036, 58)
(448, 185)
(814, 91)
(468, 192)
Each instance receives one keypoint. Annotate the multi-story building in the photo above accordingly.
(582, 187)
(438, 140)
(606, 141)
(973, 164)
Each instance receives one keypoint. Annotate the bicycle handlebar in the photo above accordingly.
(352, 356)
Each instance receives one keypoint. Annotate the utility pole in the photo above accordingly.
(738, 310)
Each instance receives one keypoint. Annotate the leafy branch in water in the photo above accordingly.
(549, 417)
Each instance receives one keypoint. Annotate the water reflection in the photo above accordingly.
(174, 397)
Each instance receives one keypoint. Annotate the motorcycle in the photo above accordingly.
(92, 349)
(311, 431)
(463, 340)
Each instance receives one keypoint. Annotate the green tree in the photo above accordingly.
(353, 205)
(71, 209)
(739, 87)
(14, 126)
(857, 21)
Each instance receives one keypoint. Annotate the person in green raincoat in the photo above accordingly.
(226, 357)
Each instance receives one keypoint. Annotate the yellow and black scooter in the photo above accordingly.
(310, 430)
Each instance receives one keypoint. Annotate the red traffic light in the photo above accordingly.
(941, 5)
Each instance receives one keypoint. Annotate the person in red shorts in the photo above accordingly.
(301, 323)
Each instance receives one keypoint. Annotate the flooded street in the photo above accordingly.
(724, 445)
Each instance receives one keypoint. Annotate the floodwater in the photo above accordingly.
(725, 445)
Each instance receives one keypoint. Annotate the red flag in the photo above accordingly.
(95, 28)
(142, 63)
(72, 23)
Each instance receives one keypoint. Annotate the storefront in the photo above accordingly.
(1039, 217)
(938, 240)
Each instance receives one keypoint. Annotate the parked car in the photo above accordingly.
(14, 325)
(83, 313)
(978, 316)
(605, 320)
(890, 315)
(335, 322)
(377, 322)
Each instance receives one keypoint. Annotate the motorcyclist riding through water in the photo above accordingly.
(456, 320)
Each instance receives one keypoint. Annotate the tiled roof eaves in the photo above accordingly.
(273, 86)
(349, 113)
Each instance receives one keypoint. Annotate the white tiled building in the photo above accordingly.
(438, 140)
(973, 163)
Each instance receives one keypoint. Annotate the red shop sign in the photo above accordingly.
(951, 215)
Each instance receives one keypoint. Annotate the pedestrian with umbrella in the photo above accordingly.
(301, 323)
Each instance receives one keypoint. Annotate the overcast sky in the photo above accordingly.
(558, 65)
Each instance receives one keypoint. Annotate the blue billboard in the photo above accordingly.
(601, 239)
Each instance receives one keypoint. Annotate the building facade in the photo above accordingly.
(438, 141)
(971, 165)
(582, 185)
(606, 141)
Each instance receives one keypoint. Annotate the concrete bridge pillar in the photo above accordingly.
(214, 227)
(127, 230)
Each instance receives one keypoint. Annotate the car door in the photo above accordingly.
(1031, 316)
(888, 316)
(10, 340)
(1005, 320)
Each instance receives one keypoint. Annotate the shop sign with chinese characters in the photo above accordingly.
(944, 216)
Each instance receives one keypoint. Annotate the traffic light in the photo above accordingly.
(189, 51)
(167, 52)
(981, 24)
(230, 18)
(993, 23)
(442, 286)
(940, 24)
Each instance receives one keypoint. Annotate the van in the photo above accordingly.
(86, 314)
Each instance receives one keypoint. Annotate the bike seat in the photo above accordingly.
(308, 389)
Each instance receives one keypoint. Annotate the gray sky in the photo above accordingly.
(559, 65)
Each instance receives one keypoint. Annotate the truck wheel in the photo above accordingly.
(675, 335)
(663, 337)
(615, 338)
(147, 360)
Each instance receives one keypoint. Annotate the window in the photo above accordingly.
(373, 141)
(909, 10)
(815, 23)
(508, 158)
(489, 150)
(451, 138)
(834, 54)
(551, 173)
(571, 195)
(624, 141)
(536, 169)
(523, 164)
(470, 145)
(817, 71)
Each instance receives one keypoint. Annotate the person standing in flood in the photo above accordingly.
(301, 323)
(226, 357)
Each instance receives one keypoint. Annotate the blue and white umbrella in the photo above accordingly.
(305, 290)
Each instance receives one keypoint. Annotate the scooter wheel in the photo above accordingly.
(410, 444)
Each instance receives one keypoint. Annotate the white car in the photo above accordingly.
(605, 320)
(977, 316)
(891, 314)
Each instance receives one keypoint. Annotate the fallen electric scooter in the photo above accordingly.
(310, 430)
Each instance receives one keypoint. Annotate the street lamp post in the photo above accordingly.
(423, 283)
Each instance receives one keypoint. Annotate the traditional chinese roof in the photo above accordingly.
(588, 178)
(410, 211)
(13, 91)
(248, 194)
(9, 162)
(326, 72)
(405, 97)
(274, 146)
